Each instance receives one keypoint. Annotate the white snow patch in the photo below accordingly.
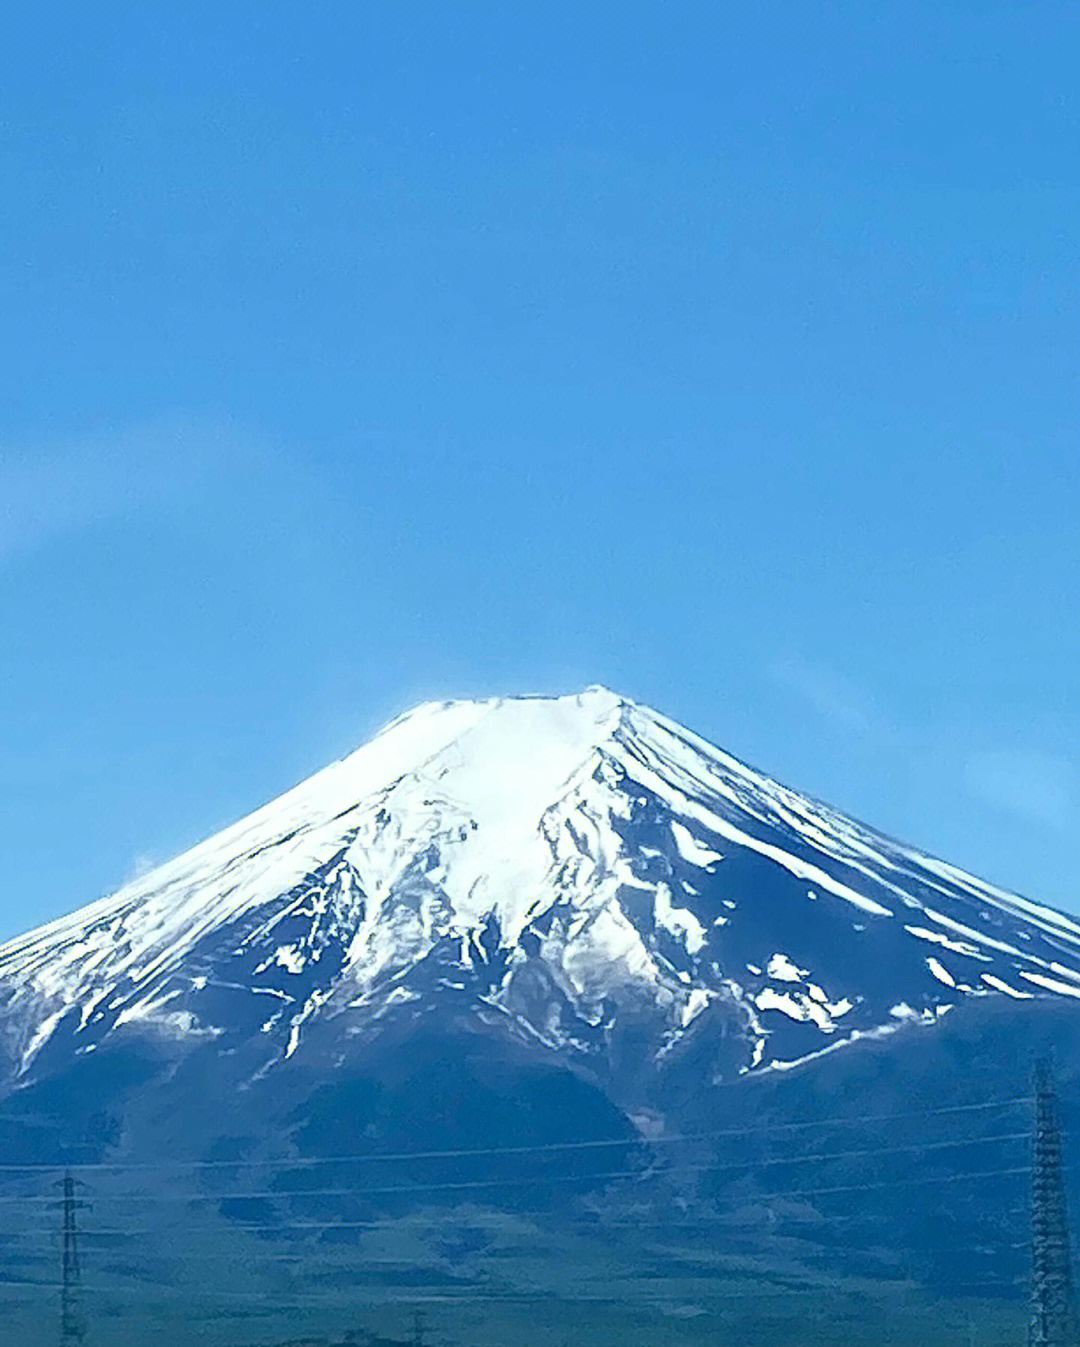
(680, 921)
(290, 958)
(1002, 986)
(400, 996)
(957, 946)
(175, 1023)
(941, 972)
(690, 849)
(39, 1038)
(782, 968)
(979, 936)
(880, 1031)
(1051, 984)
(796, 1007)
(696, 1002)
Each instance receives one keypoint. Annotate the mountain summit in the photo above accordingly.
(576, 873)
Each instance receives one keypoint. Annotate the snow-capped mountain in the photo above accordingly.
(556, 869)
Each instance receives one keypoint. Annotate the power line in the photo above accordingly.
(658, 1231)
(429, 1293)
(525, 1181)
(745, 1168)
(484, 1219)
(263, 1227)
(347, 1262)
(367, 1157)
(721, 1166)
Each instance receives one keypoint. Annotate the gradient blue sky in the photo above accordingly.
(727, 354)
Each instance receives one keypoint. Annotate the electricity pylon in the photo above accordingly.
(72, 1327)
(1053, 1305)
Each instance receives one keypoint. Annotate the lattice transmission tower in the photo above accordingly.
(72, 1327)
(1053, 1303)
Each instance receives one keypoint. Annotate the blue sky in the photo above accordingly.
(353, 355)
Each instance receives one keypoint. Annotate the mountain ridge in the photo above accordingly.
(562, 864)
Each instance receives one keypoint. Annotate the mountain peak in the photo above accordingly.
(595, 704)
(549, 860)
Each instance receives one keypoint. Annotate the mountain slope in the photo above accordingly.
(567, 871)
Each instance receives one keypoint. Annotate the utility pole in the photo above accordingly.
(419, 1324)
(1053, 1306)
(72, 1328)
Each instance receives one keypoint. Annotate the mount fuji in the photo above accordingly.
(577, 873)
(540, 1000)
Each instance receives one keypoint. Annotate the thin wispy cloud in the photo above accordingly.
(1030, 786)
(141, 865)
(1033, 786)
(48, 492)
(828, 692)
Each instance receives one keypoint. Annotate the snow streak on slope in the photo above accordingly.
(558, 862)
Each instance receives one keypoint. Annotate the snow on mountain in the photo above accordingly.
(557, 865)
